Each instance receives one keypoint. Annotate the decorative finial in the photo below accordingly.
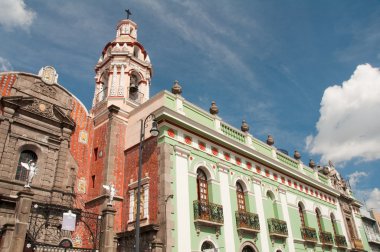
(297, 155)
(312, 164)
(244, 126)
(129, 13)
(176, 88)
(214, 109)
(270, 140)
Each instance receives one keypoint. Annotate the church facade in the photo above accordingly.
(205, 185)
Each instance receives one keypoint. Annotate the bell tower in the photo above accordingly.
(124, 71)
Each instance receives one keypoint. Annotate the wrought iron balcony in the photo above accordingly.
(309, 234)
(277, 228)
(340, 241)
(207, 213)
(326, 238)
(358, 245)
(247, 222)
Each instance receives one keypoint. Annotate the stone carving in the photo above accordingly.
(44, 89)
(32, 168)
(48, 75)
(337, 181)
(41, 108)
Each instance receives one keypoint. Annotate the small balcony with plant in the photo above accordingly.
(357, 245)
(277, 228)
(326, 238)
(309, 234)
(207, 213)
(247, 222)
(340, 241)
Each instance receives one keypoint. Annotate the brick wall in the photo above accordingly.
(150, 168)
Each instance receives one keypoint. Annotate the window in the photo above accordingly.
(319, 219)
(333, 222)
(96, 153)
(144, 203)
(240, 197)
(202, 186)
(207, 246)
(301, 214)
(248, 249)
(25, 157)
(93, 181)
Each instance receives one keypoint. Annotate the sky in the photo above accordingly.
(306, 72)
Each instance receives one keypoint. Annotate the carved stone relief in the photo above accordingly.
(44, 89)
(41, 108)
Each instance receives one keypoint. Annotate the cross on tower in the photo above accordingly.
(128, 13)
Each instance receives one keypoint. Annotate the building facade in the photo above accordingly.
(205, 185)
(372, 229)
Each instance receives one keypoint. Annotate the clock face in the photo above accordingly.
(48, 75)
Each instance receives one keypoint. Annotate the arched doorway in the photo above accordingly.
(248, 247)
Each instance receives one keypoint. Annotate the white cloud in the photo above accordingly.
(348, 127)
(373, 201)
(354, 178)
(14, 13)
(5, 65)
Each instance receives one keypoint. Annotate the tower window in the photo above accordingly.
(93, 181)
(96, 153)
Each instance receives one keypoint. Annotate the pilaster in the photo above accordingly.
(285, 212)
(226, 203)
(107, 230)
(264, 238)
(182, 198)
(15, 234)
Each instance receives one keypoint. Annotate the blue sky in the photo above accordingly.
(306, 72)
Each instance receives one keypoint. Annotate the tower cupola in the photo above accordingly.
(124, 71)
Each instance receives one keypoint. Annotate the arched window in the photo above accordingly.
(333, 222)
(248, 249)
(25, 157)
(207, 246)
(301, 214)
(319, 219)
(202, 185)
(240, 197)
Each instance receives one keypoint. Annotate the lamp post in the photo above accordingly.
(154, 132)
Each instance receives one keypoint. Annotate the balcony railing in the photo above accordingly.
(340, 241)
(208, 213)
(277, 228)
(357, 244)
(246, 221)
(326, 238)
(309, 234)
(373, 237)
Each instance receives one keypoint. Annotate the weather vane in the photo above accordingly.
(129, 13)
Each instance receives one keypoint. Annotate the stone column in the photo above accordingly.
(107, 233)
(157, 245)
(14, 239)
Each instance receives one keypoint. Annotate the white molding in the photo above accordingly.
(227, 211)
(183, 201)
(285, 213)
(264, 238)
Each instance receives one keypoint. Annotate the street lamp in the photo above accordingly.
(154, 132)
